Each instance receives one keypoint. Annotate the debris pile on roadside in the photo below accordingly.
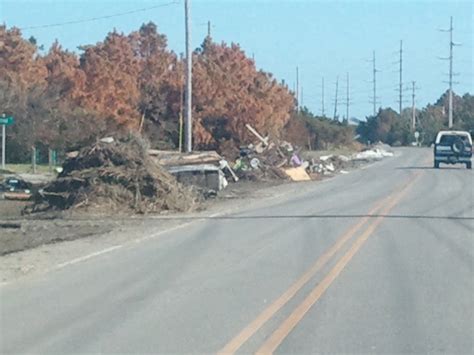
(115, 176)
(330, 164)
(207, 171)
(267, 160)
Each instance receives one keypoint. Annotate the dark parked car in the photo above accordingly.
(453, 147)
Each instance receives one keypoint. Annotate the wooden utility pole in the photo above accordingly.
(209, 29)
(297, 90)
(347, 97)
(413, 109)
(322, 100)
(302, 97)
(451, 45)
(374, 83)
(335, 101)
(451, 74)
(188, 94)
(400, 84)
(181, 105)
(4, 140)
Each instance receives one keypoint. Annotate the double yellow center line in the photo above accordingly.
(276, 338)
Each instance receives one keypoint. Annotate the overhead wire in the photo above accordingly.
(92, 19)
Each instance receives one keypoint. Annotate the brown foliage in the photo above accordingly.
(127, 78)
(229, 92)
(19, 60)
(111, 69)
(63, 73)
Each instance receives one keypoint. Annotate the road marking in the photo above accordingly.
(277, 337)
(85, 257)
(233, 345)
(164, 231)
(139, 240)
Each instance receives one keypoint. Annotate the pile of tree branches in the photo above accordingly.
(118, 176)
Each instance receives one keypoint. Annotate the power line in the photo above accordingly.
(74, 22)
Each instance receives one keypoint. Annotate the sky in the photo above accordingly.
(327, 39)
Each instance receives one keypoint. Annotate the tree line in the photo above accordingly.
(392, 128)
(134, 82)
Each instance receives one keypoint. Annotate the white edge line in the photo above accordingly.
(85, 257)
(115, 247)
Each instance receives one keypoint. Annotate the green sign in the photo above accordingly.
(7, 121)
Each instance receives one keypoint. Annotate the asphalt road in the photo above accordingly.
(376, 261)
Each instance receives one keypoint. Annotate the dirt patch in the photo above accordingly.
(117, 176)
(12, 209)
(27, 234)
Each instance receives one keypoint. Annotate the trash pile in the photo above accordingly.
(265, 160)
(206, 171)
(261, 162)
(269, 160)
(115, 176)
(331, 164)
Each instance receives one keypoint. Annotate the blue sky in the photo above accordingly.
(322, 38)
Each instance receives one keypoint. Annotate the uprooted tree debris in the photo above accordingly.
(116, 176)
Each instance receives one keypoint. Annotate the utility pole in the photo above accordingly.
(400, 89)
(4, 133)
(335, 101)
(374, 83)
(302, 97)
(451, 45)
(413, 109)
(188, 94)
(209, 29)
(297, 90)
(181, 104)
(322, 100)
(347, 97)
(451, 74)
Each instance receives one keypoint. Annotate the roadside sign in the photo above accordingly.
(4, 122)
(7, 121)
(417, 134)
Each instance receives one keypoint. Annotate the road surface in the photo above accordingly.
(376, 261)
